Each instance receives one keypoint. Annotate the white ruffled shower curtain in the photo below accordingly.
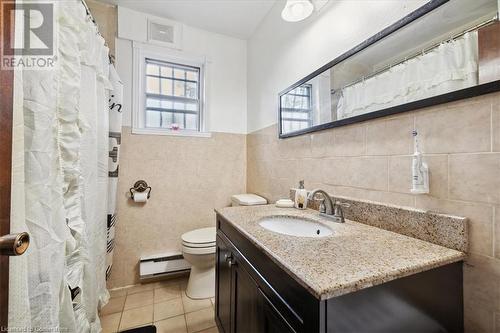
(60, 181)
(450, 66)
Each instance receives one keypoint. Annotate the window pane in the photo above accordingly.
(179, 119)
(192, 76)
(179, 105)
(152, 103)
(172, 89)
(166, 71)
(152, 69)
(152, 85)
(166, 104)
(191, 90)
(152, 119)
(191, 122)
(166, 118)
(179, 73)
(179, 88)
(192, 106)
(166, 87)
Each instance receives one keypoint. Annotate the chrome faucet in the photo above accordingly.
(328, 208)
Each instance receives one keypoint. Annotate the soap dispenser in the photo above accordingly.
(301, 196)
(419, 170)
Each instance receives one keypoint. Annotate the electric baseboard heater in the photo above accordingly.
(162, 265)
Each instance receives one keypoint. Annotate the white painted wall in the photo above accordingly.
(281, 53)
(226, 73)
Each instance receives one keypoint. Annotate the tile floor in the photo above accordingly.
(163, 304)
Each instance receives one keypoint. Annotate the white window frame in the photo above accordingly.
(140, 54)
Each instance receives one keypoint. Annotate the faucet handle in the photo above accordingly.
(338, 211)
(342, 204)
(322, 207)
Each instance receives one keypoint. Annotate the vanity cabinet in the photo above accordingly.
(241, 306)
(255, 294)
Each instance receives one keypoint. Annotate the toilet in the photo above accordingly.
(198, 248)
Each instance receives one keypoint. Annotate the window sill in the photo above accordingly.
(152, 131)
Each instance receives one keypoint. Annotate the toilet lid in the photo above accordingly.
(200, 236)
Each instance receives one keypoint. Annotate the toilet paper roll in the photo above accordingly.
(141, 196)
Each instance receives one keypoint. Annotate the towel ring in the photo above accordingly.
(140, 186)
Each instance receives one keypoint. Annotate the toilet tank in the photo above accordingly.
(247, 200)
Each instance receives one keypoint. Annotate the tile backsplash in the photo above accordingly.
(372, 161)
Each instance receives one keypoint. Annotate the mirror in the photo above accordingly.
(444, 51)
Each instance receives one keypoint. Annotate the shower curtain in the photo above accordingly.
(451, 66)
(60, 193)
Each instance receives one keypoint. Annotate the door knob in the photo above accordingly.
(14, 244)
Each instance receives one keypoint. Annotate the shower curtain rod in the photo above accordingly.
(417, 54)
(89, 14)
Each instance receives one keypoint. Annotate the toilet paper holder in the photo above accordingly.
(140, 186)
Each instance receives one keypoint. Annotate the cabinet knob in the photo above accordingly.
(229, 259)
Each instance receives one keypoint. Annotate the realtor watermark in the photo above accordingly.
(32, 43)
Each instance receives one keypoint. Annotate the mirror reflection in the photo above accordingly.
(454, 47)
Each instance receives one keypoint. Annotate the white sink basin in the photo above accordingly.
(295, 226)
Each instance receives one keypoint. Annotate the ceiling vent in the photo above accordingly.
(165, 33)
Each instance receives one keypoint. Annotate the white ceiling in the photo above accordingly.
(237, 18)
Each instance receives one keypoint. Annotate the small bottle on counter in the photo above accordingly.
(301, 196)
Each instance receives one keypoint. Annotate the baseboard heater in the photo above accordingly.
(162, 265)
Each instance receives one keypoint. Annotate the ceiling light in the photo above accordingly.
(297, 10)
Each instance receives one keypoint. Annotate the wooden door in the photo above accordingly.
(6, 91)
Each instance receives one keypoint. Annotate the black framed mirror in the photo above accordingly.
(444, 51)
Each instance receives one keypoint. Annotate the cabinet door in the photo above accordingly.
(247, 304)
(272, 321)
(223, 287)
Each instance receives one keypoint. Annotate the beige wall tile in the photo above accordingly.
(180, 170)
(400, 174)
(106, 17)
(349, 140)
(391, 136)
(362, 172)
(495, 117)
(322, 143)
(481, 293)
(458, 129)
(475, 177)
(497, 231)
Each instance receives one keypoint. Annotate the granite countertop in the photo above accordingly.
(354, 257)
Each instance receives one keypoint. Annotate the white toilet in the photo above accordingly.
(198, 248)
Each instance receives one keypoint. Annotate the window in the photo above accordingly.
(172, 95)
(296, 109)
(168, 92)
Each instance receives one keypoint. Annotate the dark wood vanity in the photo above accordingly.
(255, 294)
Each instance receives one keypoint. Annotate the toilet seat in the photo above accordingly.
(198, 250)
(199, 241)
